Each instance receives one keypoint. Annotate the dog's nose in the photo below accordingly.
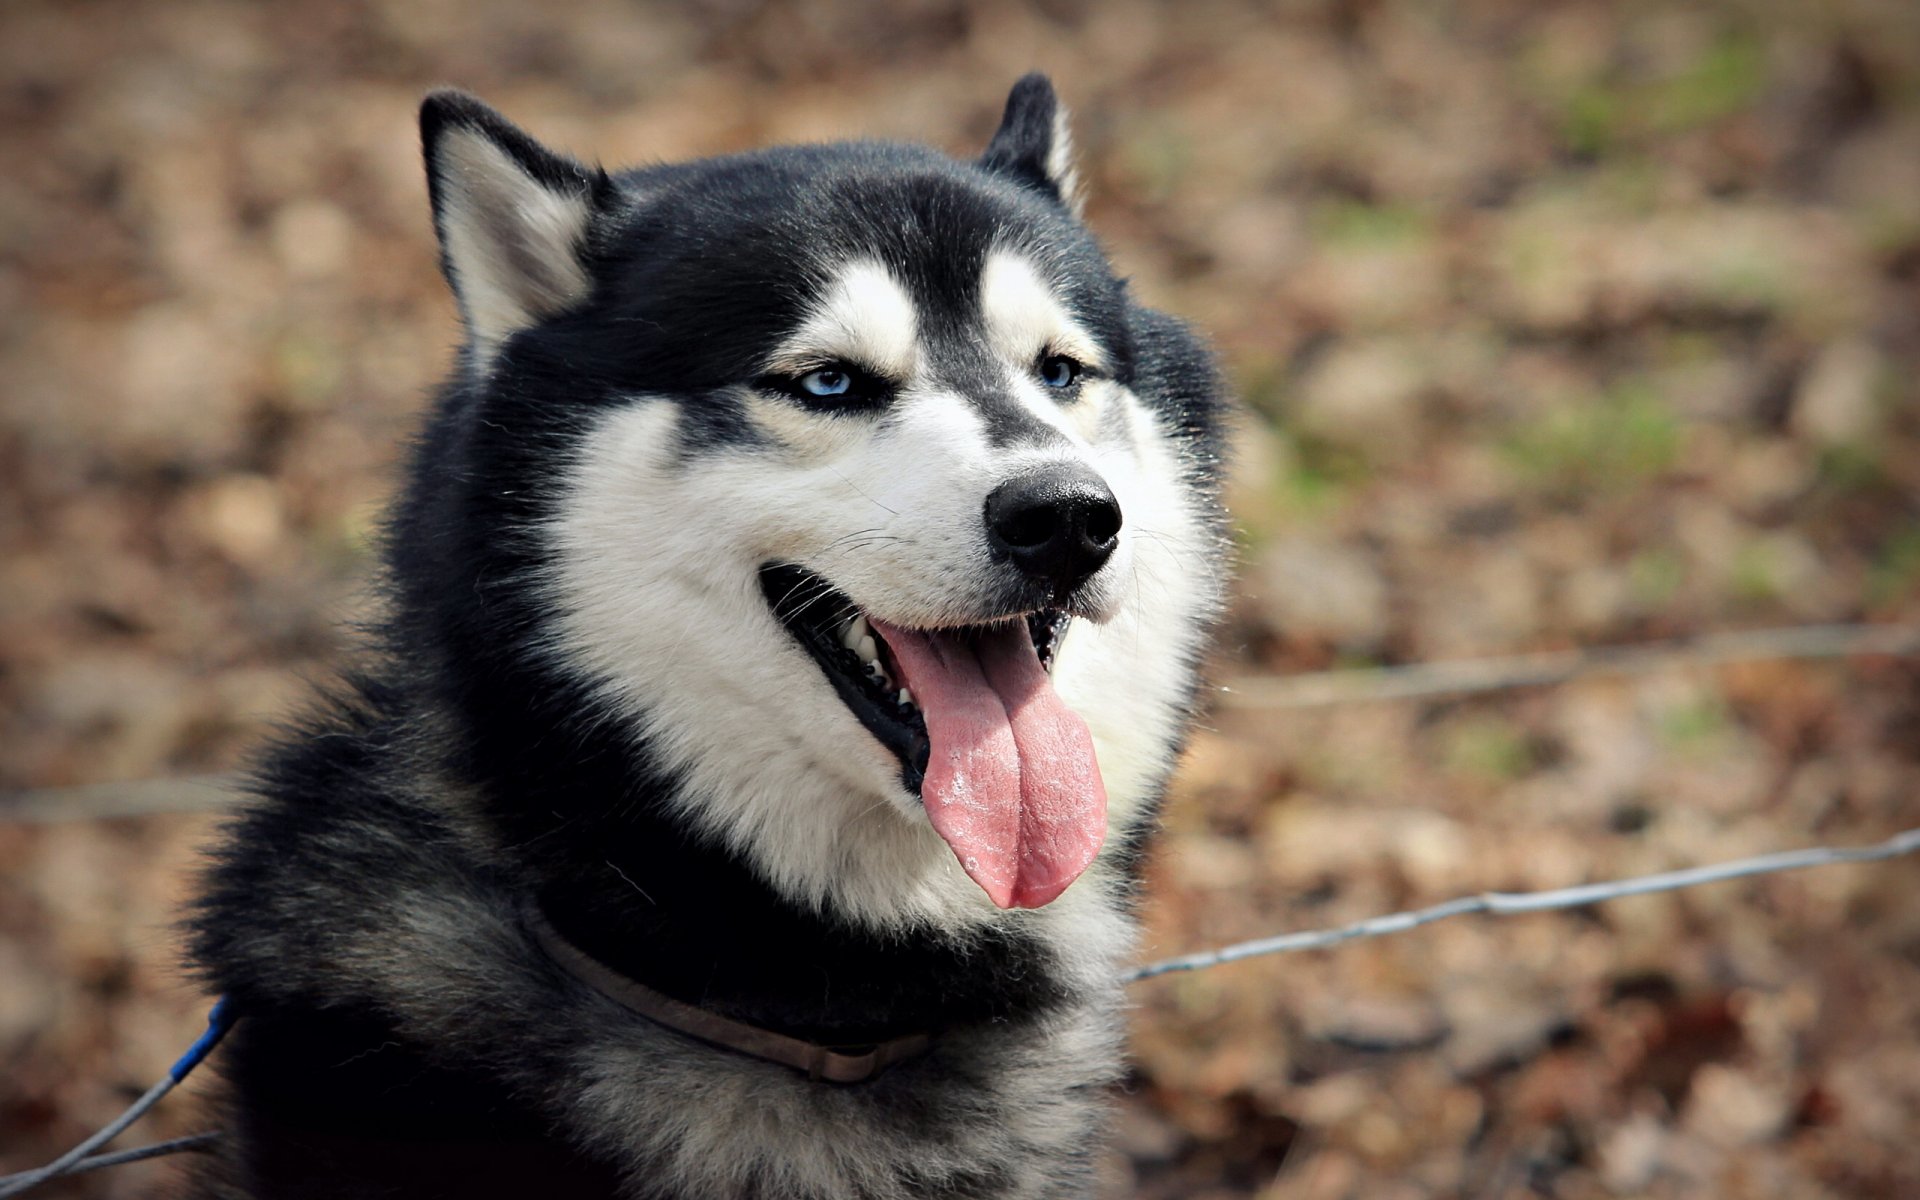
(1058, 524)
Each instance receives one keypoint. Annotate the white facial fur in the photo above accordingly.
(864, 317)
(1023, 317)
(655, 568)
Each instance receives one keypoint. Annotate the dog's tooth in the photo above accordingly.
(906, 698)
(856, 630)
(868, 649)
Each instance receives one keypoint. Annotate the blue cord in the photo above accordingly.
(219, 1020)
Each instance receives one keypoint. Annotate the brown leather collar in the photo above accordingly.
(819, 1062)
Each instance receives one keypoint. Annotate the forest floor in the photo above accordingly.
(1556, 325)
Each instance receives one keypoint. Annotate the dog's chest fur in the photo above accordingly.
(819, 363)
(405, 1036)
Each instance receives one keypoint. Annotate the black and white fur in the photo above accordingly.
(583, 698)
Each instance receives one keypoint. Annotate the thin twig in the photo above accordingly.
(25, 1181)
(1507, 903)
(192, 1143)
(134, 798)
(1254, 692)
(1557, 666)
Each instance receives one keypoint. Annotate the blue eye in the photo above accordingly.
(827, 381)
(833, 387)
(1059, 371)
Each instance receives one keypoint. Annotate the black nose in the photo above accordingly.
(1058, 524)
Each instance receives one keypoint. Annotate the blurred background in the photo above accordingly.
(1557, 325)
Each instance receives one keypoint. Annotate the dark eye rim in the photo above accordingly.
(1077, 373)
(865, 389)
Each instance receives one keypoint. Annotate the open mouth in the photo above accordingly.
(860, 664)
(1004, 768)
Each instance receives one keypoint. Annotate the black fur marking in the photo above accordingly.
(981, 381)
(1178, 378)
(1023, 145)
(691, 292)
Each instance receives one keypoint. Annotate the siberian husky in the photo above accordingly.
(795, 603)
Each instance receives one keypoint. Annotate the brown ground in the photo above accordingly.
(1559, 324)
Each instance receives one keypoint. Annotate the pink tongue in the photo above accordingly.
(1011, 783)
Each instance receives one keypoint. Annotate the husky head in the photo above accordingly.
(846, 483)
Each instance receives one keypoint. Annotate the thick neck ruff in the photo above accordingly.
(835, 1065)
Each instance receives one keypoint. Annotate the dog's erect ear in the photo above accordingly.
(1033, 143)
(513, 218)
